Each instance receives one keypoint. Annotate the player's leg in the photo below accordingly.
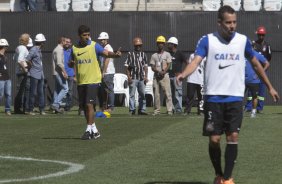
(233, 116)
(213, 127)
(261, 96)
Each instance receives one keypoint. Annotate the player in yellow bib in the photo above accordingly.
(88, 74)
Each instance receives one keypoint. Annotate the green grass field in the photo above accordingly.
(134, 150)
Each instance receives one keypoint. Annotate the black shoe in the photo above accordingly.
(86, 136)
(131, 113)
(59, 111)
(95, 135)
(18, 112)
(142, 113)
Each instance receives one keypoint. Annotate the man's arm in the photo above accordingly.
(105, 66)
(190, 68)
(60, 63)
(110, 54)
(260, 72)
(266, 65)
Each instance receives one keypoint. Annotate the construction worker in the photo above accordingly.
(261, 46)
(160, 63)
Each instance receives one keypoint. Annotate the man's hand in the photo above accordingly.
(65, 75)
(274, 94)
(145, 80)
(129, 80)
(179, 79)
(118, 52)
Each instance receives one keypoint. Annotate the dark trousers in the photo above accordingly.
(191, 89)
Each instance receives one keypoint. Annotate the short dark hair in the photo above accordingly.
(224, 9)
(83, 29)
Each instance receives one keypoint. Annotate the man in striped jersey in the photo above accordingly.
(136, 70)
(224, 86)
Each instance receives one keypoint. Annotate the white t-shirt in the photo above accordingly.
(20, 56)
(111, 66)
(197, 77)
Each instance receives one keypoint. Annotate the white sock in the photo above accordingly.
(94, 128)
(254, 111)
(89, 128)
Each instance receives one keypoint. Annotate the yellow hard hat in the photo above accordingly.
(161, 39)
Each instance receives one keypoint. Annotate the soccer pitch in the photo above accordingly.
(133, 150)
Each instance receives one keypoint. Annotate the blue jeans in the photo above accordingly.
(139, 84)
(61, 90)
(31, 4)
(70, 82)
(6, 90)
(108, 82)
(176, 93)
(36, 88)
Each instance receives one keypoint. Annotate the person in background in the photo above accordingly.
(28, 5)
(34, 60)
(160, 63)
(137, 71)
(5, 81)
(195, 83)
(224, 88)
(108, 72)
(176, 66)
(263, 47)
(60, 76)
(70, 73)
(21, 52)
(252, 81)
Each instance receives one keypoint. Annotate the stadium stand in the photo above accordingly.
(236, 4)
(211, 5)
(81, 5)
(252, 5)
(63, 5)
(5, 5)
(102, 5)
(272, 5)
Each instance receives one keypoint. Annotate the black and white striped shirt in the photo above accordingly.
(136, 62)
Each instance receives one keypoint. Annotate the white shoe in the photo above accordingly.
(253, 115)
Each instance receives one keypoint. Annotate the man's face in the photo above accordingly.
(84, 37)
(261, 37)
(137, 47)
(228, 25)
(104, 42)
(170, 46)
(160, 45)
(68, 43)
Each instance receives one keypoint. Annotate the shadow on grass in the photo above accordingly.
(62, 138)
(175, 182)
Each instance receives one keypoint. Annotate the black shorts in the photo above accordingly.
(222, 117)
(87, 93)
(253, 88)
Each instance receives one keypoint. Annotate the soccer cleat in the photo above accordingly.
(30, 113)
(170, 113)
(86, 136)
(8, 113)
(218, 180)
(95, 135)
(230, 181)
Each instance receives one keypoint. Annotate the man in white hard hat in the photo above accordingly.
(34, 60)
(5, 81)
(22, 95)
(178, 61)
(60, 76)
(108, 72)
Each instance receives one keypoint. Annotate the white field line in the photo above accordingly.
(73, 168)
